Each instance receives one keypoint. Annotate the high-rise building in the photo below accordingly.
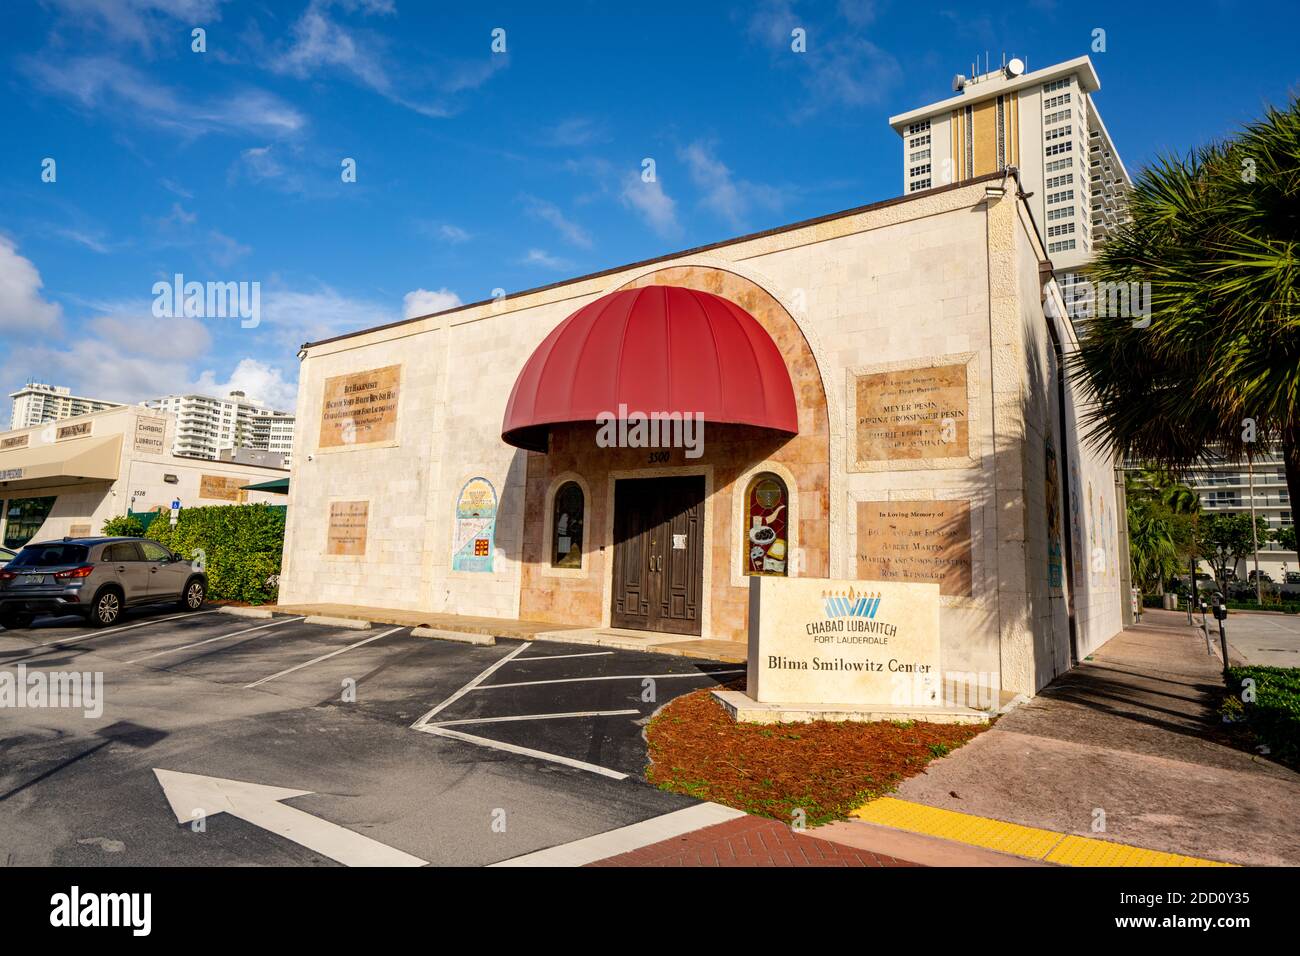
(1225, 487)
(1044, 123)
(36, 403)
(205, 426)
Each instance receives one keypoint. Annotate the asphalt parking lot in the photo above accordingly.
(381, 742)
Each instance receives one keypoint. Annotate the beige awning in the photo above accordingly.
(95, 459)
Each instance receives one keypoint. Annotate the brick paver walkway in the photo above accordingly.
(749, 841)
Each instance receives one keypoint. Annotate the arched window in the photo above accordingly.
(566, 528)
(767, 511)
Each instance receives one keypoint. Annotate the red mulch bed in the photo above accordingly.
(824, 768)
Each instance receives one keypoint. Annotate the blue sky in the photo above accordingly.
(479, 170)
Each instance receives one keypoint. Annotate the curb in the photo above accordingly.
(462, 637)
(350, 623)
(260, 613)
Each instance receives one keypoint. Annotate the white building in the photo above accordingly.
(70, 478)
(1225, 488)
(1044, 123)
(36, 403)
(206, 426)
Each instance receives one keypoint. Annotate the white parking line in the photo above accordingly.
(323, 657)
(560, 657)
(219, 637)
(506, 720)
(439, 731)
(579, 680)
(470, 686)
(629, 838)
(62, 642)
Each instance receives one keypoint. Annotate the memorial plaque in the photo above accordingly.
(360, 409)
(79, 531)
(17, 441)
(864, 643)
(150, 434)
(916, 541)
(221, 487)
(912, 414)
(347, 527)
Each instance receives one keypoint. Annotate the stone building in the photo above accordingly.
(882, 398)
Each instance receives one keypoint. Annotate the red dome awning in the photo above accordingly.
(654, 349)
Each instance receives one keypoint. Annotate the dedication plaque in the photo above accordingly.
(916, 541)
(221, 487)
(912, 414)
(864, 643)
(347, 527)
(360, 409)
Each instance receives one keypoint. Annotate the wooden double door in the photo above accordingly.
(659, 554)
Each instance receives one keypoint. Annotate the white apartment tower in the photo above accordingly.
(36, 404)
(206, 426)
(1046, 125)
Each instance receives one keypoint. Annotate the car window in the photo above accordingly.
(153, 551)
(122, 551)
(50, 555)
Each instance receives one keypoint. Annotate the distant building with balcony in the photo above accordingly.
(1225, 488)
(207, 426)
(36, 403)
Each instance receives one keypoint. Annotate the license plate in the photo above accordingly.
(32, 579)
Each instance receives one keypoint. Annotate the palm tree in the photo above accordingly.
(1162, 517)
(1216, 371)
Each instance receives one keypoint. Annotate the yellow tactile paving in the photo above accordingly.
(1085, 851)
(1013, 838)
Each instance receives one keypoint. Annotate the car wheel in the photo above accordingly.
(106, 609)
(194, 594)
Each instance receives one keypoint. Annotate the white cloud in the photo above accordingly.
(106, 84)
(22, 308)
(575, 131)
(540, 257)
(452, 233)
(257, 380)
(226, 251)
(721, 192)
(425, 302)
(139, 22)
(550, 213)
(656, 207)
(293, 316)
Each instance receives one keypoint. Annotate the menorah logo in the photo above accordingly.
(849, 603)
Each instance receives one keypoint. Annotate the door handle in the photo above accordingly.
(121, 568)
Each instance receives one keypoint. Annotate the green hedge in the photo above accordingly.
(241, 547)
(123, 526)
(1275, 714)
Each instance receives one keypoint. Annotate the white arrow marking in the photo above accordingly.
(192, 796)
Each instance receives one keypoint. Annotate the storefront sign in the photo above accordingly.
(865, 643)
(11, 474)
(360, 409)
(221, 487)
(909, 414)
(916, 541)
(476, 519)
(149, 435)
(79, 430)
(348, 522)
(17, 441)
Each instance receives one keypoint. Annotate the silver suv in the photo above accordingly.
(97, 578)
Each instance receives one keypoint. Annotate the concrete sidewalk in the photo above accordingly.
(1129, 737)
